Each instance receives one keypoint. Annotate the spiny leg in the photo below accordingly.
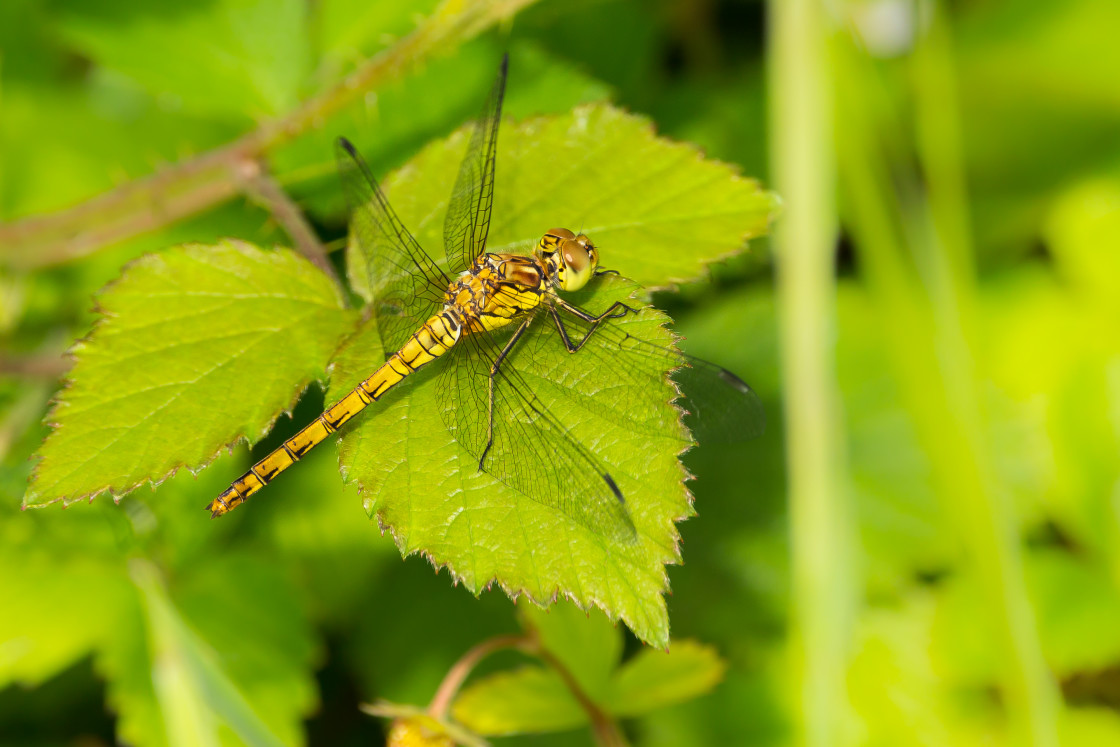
(494, 367)
(616, 311)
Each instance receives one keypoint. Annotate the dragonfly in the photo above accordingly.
(475, 313)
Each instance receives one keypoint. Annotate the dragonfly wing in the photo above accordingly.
(530, 449)
(406, 284)
(719, 406)
(468, 212)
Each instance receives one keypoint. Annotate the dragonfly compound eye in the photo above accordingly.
(579, 261)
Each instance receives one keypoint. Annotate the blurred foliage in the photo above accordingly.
(145, 623)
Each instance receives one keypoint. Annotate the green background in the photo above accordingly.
(945, 569)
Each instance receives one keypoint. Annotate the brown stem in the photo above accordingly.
(603, 726)
(263, 188)
(462, 668)
(40, 366)
(203, 181)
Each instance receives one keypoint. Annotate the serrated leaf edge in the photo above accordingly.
(103, 316)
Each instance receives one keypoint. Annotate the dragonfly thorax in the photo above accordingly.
(569, 259)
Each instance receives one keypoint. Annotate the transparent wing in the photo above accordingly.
(468, 212)
(534, 451)
(407, 286)
(718, 406)
(531, 450)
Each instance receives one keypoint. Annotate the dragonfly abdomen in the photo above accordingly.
(434, 338)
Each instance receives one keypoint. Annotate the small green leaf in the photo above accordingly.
(529, 700)
(655, 679)
(198, 347)
(534, 699)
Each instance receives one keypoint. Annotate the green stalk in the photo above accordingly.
(805, 177)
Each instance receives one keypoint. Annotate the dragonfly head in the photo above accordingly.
(571, 259)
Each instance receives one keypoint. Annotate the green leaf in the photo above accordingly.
(239, 57)
(529, 700)
(198, 347)
(534, 699)
(659, 211)
(228, 658)
(422, 486)
(656, 679)
(43, 639)
(638, 196)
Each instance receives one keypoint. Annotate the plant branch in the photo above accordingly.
(203, 181)
(263, 188)
(38, 366)
(603, 726)
(605, 729)
(462, 669)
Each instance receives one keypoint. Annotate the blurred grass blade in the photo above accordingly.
(804, 176)
(190, 686)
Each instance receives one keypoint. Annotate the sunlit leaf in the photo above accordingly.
(656, 679)
(528, 700)
(642, 195)
(534, 699)
(198, 347)
(427, 491)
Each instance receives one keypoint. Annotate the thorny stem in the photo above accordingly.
(40, 366)
(203, 181)
(262, 187)
(603, 726)
(462, 669)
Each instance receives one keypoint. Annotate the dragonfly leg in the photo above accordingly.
(494, 368)
(616, 311)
